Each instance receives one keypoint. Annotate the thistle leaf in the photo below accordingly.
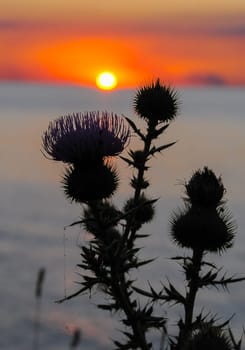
(130, 162)
(154, 149)
(134, 127)
(173, 295)
(84, 289)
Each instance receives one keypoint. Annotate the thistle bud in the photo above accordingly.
(205, 189)
(156, 103)
(211, 338)
(105, 220)
(204, 229)
(142, 210)
(90, 183)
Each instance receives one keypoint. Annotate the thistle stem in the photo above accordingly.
(120, 289)
(141, 169)
(190, 298)
(118, 286)
(140, 177)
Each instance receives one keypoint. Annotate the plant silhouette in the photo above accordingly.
(88, 145)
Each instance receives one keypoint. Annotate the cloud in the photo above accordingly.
(206, 79)
(176, 26)
(11, 72)
(238, 31)
(158, 26)
(14, 24)
(6, 24)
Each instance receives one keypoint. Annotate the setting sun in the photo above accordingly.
(106, 81)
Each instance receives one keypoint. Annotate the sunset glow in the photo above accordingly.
(106, 81)
(183, 44)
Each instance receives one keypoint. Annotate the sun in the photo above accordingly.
(106, 81)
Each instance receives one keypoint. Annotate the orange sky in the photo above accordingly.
(196, 43)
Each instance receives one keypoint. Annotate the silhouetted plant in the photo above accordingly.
(87, 143)
(37, 317)
(76, 339)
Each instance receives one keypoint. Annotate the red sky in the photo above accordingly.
(183, 42)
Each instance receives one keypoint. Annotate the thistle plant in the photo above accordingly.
(87, 144)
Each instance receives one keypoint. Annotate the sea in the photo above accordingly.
(35, 215)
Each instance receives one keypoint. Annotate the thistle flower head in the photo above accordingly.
(143, 210)
(85, 138)
(156, 103)
(212, 338)
(90, 183)
(107, 214)
(205, 229)
(205, 189)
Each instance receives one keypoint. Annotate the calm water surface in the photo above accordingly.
(209, 130)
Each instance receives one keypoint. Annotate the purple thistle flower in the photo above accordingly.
(87, 137)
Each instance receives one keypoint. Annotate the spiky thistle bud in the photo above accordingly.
(106, 218)
(90, 183)
(142, 210)
(205, 188)
(207, 230)
(211, 338)
(203, 223)
(156, 103)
